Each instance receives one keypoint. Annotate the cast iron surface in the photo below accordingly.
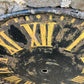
(42, 46)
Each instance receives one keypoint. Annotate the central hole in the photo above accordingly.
(44, 71)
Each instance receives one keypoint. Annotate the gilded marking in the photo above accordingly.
(26, 82)
(43, 33)
(50, 17)
(29, 82)
(32, 34)
(50, 32)
(9, 48)
(46, 39)
(81, 37)
(3, 60)
(34, 40)
(27, 18)
(82, 24)
(82, 58)
(18, 81)
(73, 20)
(38, 16)
(82, 71)
(16, 20)
(6, 24)
(13, 79)
(78, 79)
(62, 18)
(5, 70)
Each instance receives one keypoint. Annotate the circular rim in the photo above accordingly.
(65, 11)
(57, 11)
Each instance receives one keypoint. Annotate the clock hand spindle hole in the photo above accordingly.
(44, 71)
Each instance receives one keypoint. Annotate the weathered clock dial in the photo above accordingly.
(42, 49)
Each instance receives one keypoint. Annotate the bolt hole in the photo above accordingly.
(44, 71)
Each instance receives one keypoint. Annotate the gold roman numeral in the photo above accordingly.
(5, 70)
(13, 79)
(32, 33)
(50, 32)
(46, 39)
(29, 82)
(82, 58)
(81, 37)
(4, 60)
(12, 50)
(78, 79)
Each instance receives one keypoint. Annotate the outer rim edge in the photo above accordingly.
(65, 11)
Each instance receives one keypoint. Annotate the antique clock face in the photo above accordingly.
(42, 49)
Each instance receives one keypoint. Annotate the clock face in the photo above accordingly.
(42, 49)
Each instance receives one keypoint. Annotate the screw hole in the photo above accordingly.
(44, 71)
